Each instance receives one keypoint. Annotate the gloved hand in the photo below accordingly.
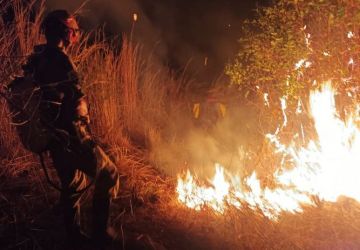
(82, 111)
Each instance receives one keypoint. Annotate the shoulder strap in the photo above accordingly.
(53, 184)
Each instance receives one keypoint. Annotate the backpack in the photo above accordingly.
(23, 99)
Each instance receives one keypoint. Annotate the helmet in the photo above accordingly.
(60, 25)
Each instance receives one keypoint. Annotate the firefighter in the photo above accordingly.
(63, 107)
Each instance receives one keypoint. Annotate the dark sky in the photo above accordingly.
(178, 32)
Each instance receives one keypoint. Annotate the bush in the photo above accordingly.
(295, 45)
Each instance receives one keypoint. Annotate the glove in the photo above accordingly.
(82, 111)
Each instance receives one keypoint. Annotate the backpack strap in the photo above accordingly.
(51, 183)
(47, 174)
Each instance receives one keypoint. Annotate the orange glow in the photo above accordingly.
(135, 17)
(326, 168)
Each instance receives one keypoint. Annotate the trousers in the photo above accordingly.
(75, 165)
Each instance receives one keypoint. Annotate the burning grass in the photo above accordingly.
(326, 168)
(142, 118)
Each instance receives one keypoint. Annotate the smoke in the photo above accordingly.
(198, 143)
(200, 36)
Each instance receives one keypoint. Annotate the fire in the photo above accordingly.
(135, 17)
(327, 168)
(196, 197)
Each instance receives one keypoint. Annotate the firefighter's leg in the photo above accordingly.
(69, 200)
(71, 180)
(107, 181)
(96, 164)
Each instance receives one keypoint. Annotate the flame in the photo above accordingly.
(350, 34)
(135, 17)
(196, 197)
(326, 168)
(300, 63)
(283, 110)
(299, 107)
(351, 61)
(266, 100)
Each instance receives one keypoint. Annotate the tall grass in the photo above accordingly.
(16, 41)
(125, 107)
(129, 95)
(136, 106)
(139, 110)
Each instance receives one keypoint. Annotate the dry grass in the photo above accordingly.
(120, 100)
(137, 108)
(125, 108)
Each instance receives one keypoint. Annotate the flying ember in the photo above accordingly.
(326, 168)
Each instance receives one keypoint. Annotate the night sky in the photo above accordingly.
(178, 32)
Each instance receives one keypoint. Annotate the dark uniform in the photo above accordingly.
(74, 153)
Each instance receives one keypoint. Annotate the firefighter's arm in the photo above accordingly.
(82, 121)
(81, 105)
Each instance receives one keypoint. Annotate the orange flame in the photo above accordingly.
(327, 168)
(135, 17)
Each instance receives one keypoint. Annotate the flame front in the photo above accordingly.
(195, 196)
(326, 168)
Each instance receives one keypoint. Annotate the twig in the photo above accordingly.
(80, 7)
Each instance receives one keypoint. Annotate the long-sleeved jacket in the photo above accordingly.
(63, 101)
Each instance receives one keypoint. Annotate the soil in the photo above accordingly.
(31, 219)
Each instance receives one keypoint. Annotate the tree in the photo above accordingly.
(295, 45)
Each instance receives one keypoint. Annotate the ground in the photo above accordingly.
(30, 219)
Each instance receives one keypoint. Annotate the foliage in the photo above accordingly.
(294, 45)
